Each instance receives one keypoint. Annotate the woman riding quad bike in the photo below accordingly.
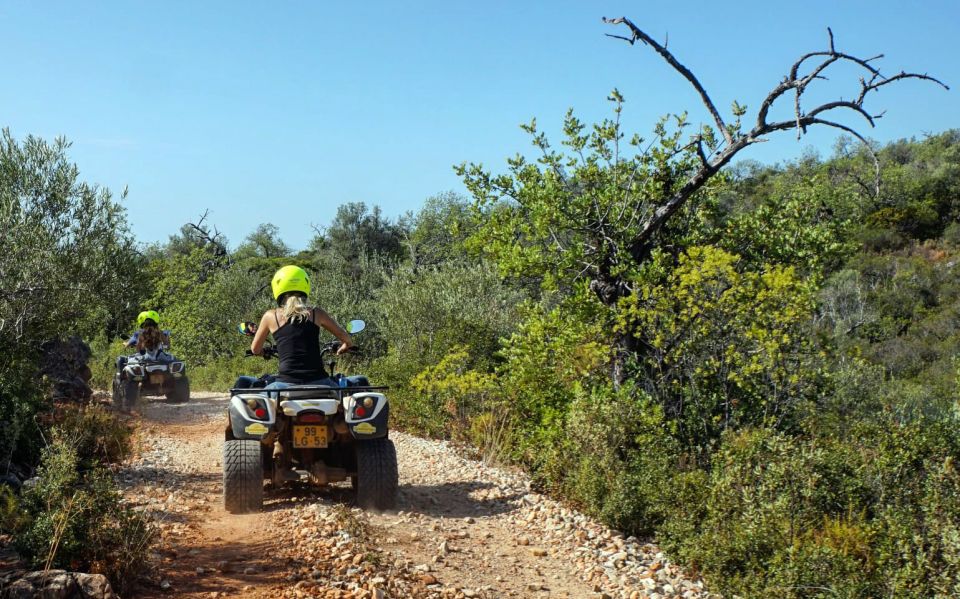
(305, 424)
(149, 319)
(150, 371)
(296, 329)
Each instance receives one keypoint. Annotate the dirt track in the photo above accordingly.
(461, 529)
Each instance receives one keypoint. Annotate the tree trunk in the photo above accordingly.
(610, 290)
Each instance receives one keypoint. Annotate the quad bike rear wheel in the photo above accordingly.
(242, 476)
(377, 476)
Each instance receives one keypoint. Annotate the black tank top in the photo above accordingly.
(298, 345)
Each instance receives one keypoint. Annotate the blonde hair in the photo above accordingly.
(295, 308)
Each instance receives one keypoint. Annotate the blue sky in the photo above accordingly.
(279, 112)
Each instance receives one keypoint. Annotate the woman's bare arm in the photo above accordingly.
(323, 319)
(256, 346)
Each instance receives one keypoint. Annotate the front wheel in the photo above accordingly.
(116, 393)
(131, 394)
(242, 476)
(377, 476)
(180, 392)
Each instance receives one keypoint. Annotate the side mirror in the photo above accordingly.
(355, 326)
(247, 328)
(124, 336)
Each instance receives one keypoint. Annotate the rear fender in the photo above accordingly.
(292, 407)
(371, 426)
(242, 421)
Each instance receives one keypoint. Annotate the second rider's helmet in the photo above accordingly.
(148, 315)
(290, 278)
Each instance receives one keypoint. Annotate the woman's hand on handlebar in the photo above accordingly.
(266, 352)
(344, 348)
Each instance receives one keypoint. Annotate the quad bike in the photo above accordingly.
(312, 434)
(149, 373)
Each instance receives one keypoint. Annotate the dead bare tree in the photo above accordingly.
(215, 244)
(735, 139)
(212, 238)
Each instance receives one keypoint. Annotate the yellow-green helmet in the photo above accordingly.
(290, 278)
(148, 315)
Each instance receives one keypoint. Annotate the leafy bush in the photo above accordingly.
(219, 375)
(94, 434)
(616, 458)
(74, 518)
(452, 394)
(553, 355)
(428, 313)
(68, 260)
(823, 517)
(21, 398)
(103, 361)
(726, 348)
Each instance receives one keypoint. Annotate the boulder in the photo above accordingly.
(64, 363)
(56, 584)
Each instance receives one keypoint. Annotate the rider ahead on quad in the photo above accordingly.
(150, 371)
(304, 424)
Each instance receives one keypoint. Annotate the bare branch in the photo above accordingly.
(637, 34)
(810, 67)
(898, 77)
(703, 157)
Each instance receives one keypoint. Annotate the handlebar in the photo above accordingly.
(270, 351)
(266, 353)
(334, 346)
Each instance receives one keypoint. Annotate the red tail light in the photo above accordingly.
(310, 418)
(260, 413)
(360, 412)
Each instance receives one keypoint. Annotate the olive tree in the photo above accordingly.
(607, 208)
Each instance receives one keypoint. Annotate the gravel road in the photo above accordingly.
(462, 529)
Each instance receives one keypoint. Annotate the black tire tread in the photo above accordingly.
(242, 476)
(377, 475)
(131, 394)
(115, 394)
(181, 391)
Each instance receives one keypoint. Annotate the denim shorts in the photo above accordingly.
(282, 385)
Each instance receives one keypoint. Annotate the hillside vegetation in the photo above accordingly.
(786, 422)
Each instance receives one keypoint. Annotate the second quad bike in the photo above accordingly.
(149, 373)
(313, 434)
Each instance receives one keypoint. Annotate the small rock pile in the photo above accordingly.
(54, 584)
(614, 565)
(334, 561)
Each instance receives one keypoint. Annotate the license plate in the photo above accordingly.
(310, 436)
(156, 379)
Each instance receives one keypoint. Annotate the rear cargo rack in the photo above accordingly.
(341, 391)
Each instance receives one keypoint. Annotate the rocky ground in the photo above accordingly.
(461, 530)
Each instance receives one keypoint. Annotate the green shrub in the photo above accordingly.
(11, 516)
(103, 360)
(453, 394)
(824, 517)
(425, 315)
(94, 434)
(615, 458)
(74, 518)
(219, 375)
(21, 399)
